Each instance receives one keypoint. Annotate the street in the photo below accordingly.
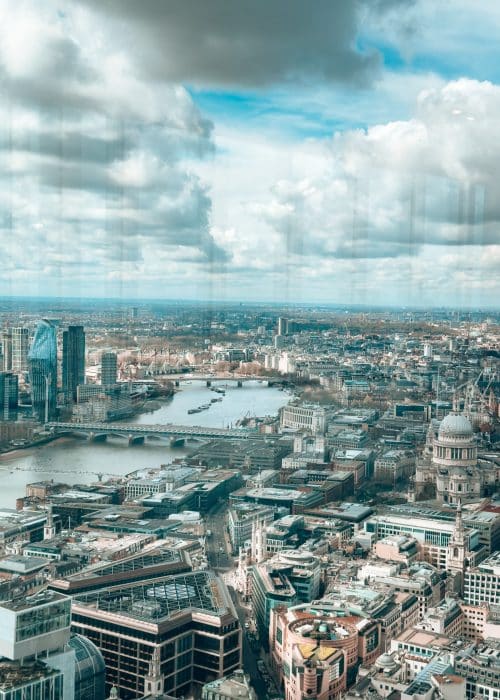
(249, 657)
(217, 544)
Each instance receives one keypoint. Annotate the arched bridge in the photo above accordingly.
(137, 433)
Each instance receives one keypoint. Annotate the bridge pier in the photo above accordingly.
(136, 439)
(177, 441)
(99, 437)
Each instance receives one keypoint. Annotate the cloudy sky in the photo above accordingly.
(280, 150)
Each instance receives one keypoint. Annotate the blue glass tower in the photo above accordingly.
(42, 359)
(73, 361)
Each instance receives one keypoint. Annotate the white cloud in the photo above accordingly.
(94, 159)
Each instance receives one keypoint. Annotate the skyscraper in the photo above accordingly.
(20, 344)
(7, 349)
(8, 396)
(73, 360)
(282, 326)
(42, 361)
(108, 368)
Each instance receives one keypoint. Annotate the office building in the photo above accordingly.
(8, 396)
(271, 588)
(282, 326)
(303, 417)
(34, 632)
(33, 680)
(482, 583)
(20, 346)
(479, 664)
(185, 624)
(240, 521)
(7, 349)
(394, 465)
(109, 362)
(312, 652)
(42, 361)
(73, 361)
(40, 659)
(434, 537)
(419, 579)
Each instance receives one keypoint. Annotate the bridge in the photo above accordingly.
(138, 433)
(209, 379)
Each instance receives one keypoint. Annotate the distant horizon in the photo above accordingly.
(238, 302)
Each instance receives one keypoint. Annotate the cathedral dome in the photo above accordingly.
(455, 425)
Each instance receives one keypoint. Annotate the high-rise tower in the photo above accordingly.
(282, 326)
(108, 368)
(7, 349)
(8, 396)
(42, 361)
(73, 361)
(20, 345)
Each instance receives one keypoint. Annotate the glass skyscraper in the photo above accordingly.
(73, 361)
(8, 395)
(42, 359)
(108, 368)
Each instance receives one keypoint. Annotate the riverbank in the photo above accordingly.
(74, 460)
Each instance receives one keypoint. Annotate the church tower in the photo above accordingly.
(49, 529)
(259, 541)
(153, 682)
(456, 560)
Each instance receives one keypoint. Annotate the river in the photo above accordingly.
(73, 461)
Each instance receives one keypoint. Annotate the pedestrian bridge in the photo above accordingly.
(137, 433)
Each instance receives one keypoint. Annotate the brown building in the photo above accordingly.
(188, 621)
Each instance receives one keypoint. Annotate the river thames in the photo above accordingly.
(77, 461)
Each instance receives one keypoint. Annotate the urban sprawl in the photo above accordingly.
(345, 546)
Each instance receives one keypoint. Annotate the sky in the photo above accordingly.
(260, 150)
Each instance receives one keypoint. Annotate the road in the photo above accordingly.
(218, 549)
(217, 545)
(249, 657)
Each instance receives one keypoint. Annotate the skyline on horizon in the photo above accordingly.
(252, 152)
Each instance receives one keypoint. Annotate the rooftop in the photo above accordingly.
(161, 599)
(23, 602)
(14, 674)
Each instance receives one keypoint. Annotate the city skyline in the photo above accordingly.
(345, 155)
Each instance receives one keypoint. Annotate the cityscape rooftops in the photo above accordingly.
(19, 564)
(161, 599)
(352, 512)
(14, 674)
(25, 602)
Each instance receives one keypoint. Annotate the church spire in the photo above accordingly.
(456, 560)
(458, 536)
(153, 682)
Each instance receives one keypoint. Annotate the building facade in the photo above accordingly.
(73, 361)
(42, 360)
(109, 363)
(20, 346)
(8, 396)
(188, 621)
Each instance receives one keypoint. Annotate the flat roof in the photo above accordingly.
(162, 598)
(19, 564)
(26, 602)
